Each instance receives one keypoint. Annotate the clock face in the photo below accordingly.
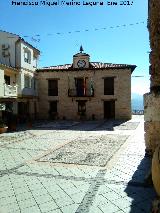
(81, 63)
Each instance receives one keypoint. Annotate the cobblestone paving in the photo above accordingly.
(34, 179)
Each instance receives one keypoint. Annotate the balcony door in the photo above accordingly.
(80, 86)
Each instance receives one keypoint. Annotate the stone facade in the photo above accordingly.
(152, 99)
(154, 35)
(152, 121)
(93, 73)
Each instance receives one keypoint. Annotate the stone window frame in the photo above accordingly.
(109, 90)
(53, 91)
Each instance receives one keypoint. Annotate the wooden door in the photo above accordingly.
(109, 109)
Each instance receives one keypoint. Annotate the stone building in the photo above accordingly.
(85, 90)
(152, 99)
(18, 86)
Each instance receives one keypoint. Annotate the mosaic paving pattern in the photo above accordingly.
(92, 152)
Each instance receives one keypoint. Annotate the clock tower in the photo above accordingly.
(81, 60)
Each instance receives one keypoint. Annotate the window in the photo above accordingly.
(35, 58)
(27, 56)
(27, 81)
(52, 87)
(109, 86)
(7, 79)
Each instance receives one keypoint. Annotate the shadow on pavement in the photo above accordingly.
(140, 190)
(103, 125)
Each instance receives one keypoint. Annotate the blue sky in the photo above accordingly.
(124, 44)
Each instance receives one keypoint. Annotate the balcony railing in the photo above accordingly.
(138, 112)
(10, 90)
(81, 93)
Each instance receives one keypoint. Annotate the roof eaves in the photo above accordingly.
(38, 51)
(100, 66)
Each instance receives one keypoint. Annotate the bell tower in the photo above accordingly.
(81, 59)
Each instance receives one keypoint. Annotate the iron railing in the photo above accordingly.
(80, 93)
(10, 90)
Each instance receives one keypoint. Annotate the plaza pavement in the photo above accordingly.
(75, 167)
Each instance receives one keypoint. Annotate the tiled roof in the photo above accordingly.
(93, 65)
(58, 67)
(99, 65)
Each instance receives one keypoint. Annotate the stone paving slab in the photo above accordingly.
(8, 138)
(127, 126)
(28, 185)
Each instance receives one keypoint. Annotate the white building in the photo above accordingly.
(18, 86)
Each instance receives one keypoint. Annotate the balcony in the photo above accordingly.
(10, 90)
(81, 93)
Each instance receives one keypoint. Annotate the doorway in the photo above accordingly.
(109, 109)
(53, 113)
(23, 111)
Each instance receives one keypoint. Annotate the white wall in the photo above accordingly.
(16, 51)
(21, 81)
(1, 83)
(30, 66)
(16, 59)
(8, 39)
(26, 69)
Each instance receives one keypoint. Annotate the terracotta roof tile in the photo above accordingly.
(58, 67)
(93, 65)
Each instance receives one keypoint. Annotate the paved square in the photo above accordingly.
(75, 167)
(127, 126)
